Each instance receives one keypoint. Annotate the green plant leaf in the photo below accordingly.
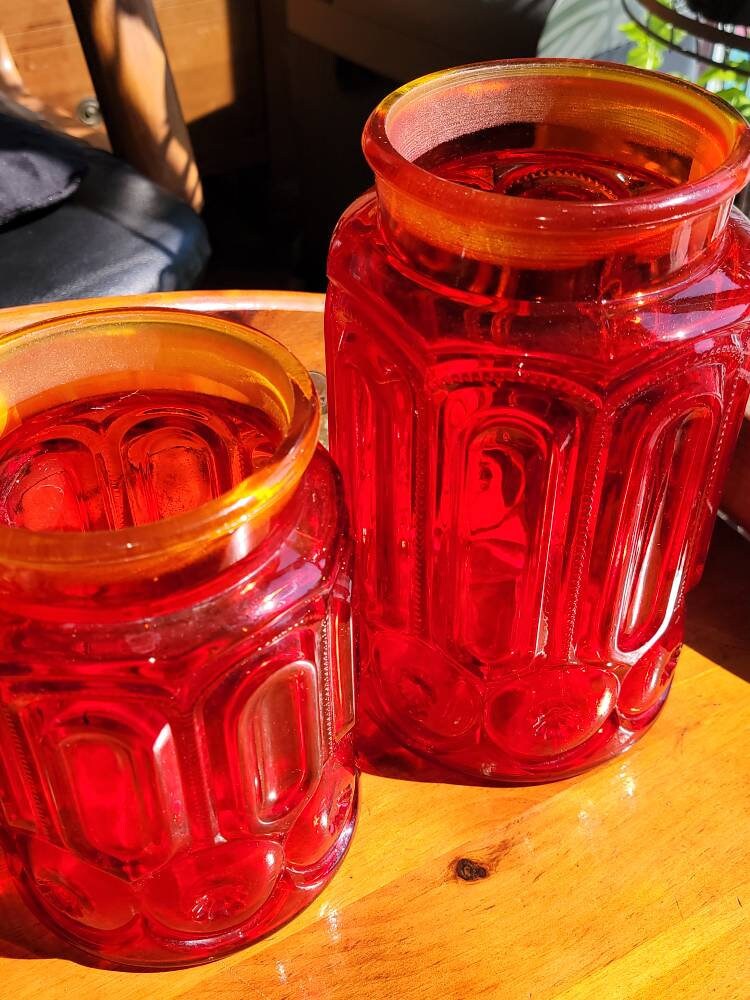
(665, 30)
(638, 58)
(647, 52)
(632, 31)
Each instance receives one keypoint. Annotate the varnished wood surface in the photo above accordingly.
(629, 883)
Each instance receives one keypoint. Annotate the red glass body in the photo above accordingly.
(176, 767)
(537, 370)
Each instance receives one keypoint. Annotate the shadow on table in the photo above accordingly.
(21, 934)
(408, 767)
(718, 610)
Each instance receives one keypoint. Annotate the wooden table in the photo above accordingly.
(630, 882)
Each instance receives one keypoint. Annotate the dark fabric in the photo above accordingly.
(36, 170)
(117, 234)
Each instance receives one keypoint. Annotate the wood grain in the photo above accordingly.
(42, 40)
(628, 883)
(214, 51)
(16, 99)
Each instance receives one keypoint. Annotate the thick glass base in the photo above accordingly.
(388, 759)
(423, 716)
(235, 900)
(380, 753)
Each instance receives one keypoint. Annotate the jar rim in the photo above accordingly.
(253, 500)
(401, 177)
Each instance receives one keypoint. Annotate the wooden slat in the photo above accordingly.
(214, 51)
(133, 80)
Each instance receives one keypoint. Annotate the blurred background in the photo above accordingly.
(274, 94)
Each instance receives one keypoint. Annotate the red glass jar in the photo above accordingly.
(176, 772)
(537, 337)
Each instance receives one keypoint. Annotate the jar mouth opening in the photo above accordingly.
(66, 359)
(697, 136)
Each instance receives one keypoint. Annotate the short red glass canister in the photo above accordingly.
(176, 696)
(537, 337)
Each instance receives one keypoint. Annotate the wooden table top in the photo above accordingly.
(627, 883)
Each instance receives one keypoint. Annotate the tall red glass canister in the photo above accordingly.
(176, 674)
(537, 336)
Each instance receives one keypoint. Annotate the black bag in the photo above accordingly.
(37, 170)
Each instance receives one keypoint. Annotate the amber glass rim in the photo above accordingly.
(250, 502)
(404, 179)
